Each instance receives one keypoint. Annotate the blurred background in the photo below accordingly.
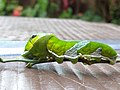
(89, 10)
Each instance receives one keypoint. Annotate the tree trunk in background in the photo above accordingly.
(103, 8)
(78, 6)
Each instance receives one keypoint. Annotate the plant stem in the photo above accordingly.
(17, 60)
(36, 61)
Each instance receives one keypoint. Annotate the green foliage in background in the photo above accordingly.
(52, 9)
(116, 15)
(43, 7)
(49, 8)
(30, 11)
(38, 10)
(66, 14)
(2, 7)
(89, 15)
(10, 6)
(7, 8)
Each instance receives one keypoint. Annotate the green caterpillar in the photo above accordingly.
(46, 47)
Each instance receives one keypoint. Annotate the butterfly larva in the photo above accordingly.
(46, 47)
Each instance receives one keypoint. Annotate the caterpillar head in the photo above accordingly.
(34, 38)
(31, 42)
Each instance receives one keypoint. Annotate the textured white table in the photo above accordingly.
(53, 76)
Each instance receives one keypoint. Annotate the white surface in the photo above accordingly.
(8, 51)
